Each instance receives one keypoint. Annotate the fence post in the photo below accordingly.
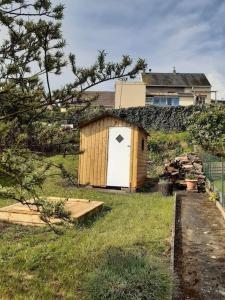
(222, 182)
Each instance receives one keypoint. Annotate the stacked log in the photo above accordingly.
(178, 169)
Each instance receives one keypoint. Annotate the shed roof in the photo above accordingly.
(108, 114)
(176, 79)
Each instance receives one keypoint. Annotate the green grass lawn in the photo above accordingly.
(121, 255)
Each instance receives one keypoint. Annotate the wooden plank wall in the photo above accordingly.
(94, 144)
(134, 158)
(142, 159)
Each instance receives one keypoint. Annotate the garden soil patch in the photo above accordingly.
(199, 249)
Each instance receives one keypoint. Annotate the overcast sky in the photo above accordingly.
(187, 34)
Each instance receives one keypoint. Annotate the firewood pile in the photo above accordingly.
(183, 165)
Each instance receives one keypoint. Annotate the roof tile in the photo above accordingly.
(176, 79)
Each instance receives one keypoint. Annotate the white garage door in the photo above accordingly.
(118, 173)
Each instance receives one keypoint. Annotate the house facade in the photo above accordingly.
(164, 89)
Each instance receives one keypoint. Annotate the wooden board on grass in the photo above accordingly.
(24, 215)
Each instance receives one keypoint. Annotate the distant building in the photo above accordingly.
(164, 89)
(103, 98)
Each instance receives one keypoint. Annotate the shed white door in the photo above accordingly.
(118, 173)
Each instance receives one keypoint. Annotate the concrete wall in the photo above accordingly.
(186, 101)
(129, 94)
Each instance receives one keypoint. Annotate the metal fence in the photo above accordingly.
(214, 169)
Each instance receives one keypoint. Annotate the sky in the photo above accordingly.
(187, 34)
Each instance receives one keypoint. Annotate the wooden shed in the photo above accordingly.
(113, 153)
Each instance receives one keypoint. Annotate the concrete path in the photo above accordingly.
(199, 249)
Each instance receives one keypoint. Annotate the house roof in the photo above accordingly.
(104, 98)
(108, 114)
(176, 79)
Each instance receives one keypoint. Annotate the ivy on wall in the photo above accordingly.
(160, 118)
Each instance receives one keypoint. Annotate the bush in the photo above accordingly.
(165, 141)
(165, 118)
(128, 276)
(166, 146)
(208, 130)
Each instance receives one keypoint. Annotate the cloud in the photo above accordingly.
(188, 34)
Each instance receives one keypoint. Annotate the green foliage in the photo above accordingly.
(150, 117)
(165, 118)
(32, 49)
(72, 115)
(213, 196)
(53, 209)
(26, 177)
(208, 130)
(164, 146)
(50, 137)
(160, 141)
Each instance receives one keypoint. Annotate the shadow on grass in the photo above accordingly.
(18, 232)
(126, 275)
(89, 221)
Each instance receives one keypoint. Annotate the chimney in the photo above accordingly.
(174, 70)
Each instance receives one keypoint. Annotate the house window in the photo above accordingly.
(163, 101)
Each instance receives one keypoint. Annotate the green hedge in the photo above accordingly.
(150, 117)
(159, 118)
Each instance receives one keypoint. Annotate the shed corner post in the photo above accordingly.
(134, 159)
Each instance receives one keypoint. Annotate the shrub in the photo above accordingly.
(214, 196)
(164, 141)
(165, 146)
(208, 130)
(165, 118)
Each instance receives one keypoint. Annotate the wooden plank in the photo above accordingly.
(142, 159)
(83, 156)
(96, 155)
(92, 153)
(20, 214)
(101, 149)
(135, 158)
(97, 145)
(105, 151)
(81, 160)
(79, 164)
(88, 155)
(132, 157)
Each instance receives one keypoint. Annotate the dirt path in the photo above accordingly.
(199, 249)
